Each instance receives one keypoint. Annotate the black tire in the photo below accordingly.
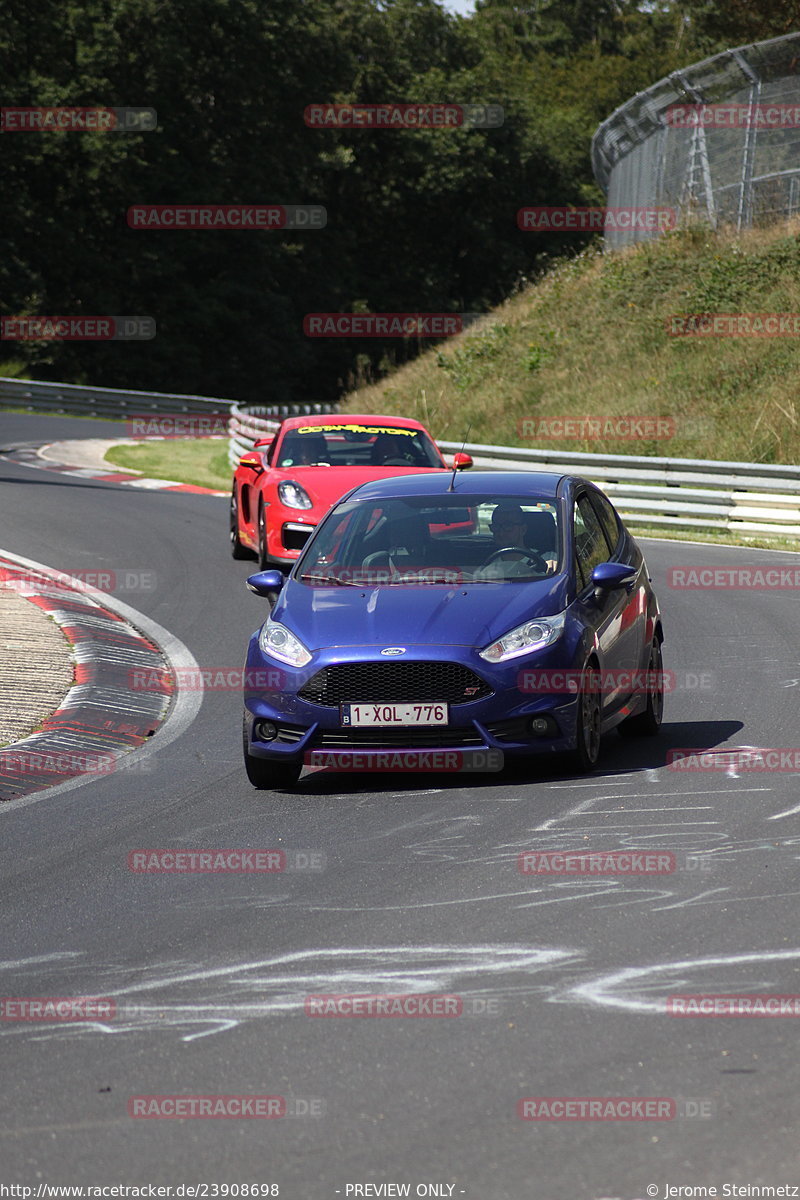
(263, 557)
(587, 722)
(648, 723)
(237, 549)
(267, 775)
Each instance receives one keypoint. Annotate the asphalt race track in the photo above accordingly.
(562, 979)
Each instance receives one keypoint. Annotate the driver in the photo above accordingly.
(389, 449)
(509, 529)
(304, 450)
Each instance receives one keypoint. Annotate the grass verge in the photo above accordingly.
(201, 461)
(205, 463)
(592, 339)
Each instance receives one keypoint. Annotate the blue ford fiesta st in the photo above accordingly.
(453, 622)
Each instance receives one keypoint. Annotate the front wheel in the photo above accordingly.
(587, 722)
(263, 556)
(267, 775)
(237, 549)
(648, 723)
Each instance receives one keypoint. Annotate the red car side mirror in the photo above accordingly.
(462, 461)
(253, 461)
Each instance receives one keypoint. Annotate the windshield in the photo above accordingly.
(352, 444)
(416, 540)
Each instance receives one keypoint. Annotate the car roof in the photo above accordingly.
(289, 423)
(519, 484)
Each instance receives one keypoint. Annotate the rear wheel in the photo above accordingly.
(265, 774)
(648, 723)
(237, 549)
(587, 721)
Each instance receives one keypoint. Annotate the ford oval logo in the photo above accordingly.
(392, 651)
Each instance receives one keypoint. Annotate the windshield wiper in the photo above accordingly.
(334, 580)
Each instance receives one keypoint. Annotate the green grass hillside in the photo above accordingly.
(590, 340)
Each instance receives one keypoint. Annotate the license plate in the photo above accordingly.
(383, 715)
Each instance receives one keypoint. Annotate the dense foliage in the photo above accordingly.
(418, 220)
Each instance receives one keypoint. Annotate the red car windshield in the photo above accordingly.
(352, 444)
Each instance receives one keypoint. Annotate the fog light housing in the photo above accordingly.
(542, 726)
(265, 731)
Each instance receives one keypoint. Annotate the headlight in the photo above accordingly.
(293, 495)
(279, 642)
(533, 635)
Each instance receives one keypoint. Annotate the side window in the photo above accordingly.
(608, 518)
(590, 543)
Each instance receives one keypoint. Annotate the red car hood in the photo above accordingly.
(327, 485)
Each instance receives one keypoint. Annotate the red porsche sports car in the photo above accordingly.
(286, 484)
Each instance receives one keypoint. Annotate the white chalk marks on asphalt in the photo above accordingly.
(200, 1000)
(645, 989)
(196, 1001)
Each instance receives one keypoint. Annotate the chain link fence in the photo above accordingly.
(718, 141)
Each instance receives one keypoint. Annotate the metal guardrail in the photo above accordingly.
(692, 493)
(244, 428)
(40, 395)
(689, 493)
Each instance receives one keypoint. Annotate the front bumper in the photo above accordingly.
(499, 723)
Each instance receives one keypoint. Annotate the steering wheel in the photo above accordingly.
(396, 462)
(535, 559)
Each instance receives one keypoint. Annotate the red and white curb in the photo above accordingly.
(103, 725)
(32, 457)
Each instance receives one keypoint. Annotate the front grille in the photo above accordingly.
(394, 683)
(410, 735)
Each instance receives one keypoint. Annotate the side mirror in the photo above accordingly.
(267, 584)
(609, 576)
(253, 461)
(462, 461)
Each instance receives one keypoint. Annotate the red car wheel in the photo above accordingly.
(237, 549)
